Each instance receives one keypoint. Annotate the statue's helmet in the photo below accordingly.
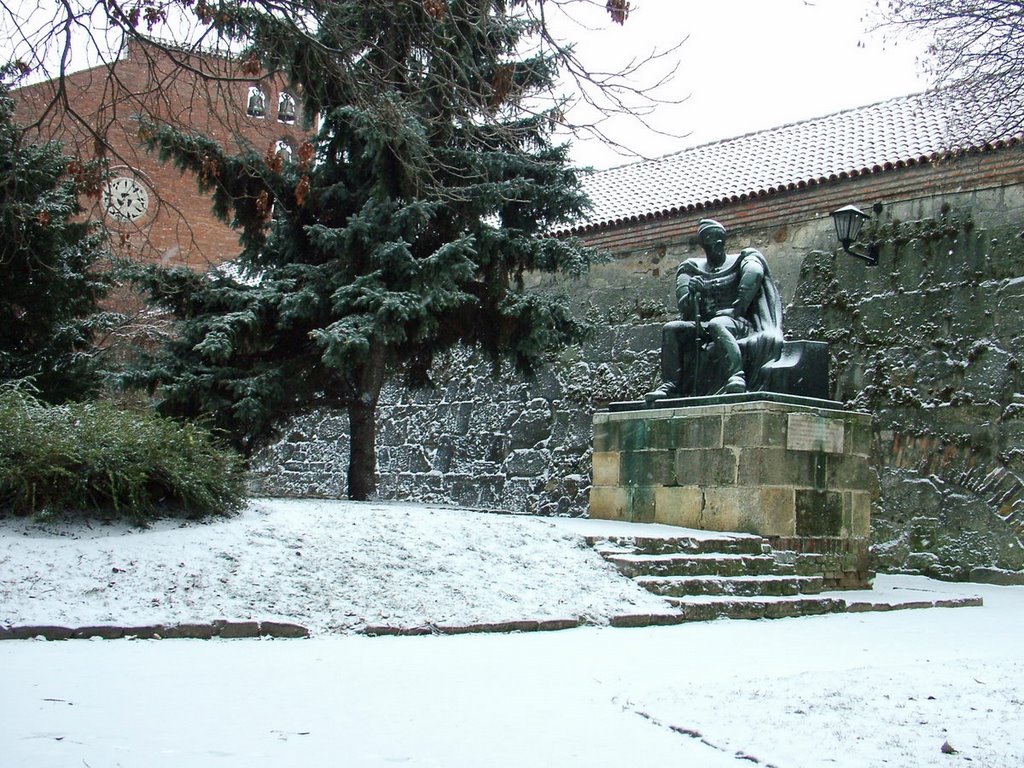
(704, 226)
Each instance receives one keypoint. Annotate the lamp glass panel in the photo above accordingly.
(848, 220)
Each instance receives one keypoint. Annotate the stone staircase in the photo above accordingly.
(722, 575)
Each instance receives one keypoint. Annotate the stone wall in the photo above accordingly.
(477, 440)
(929, 341)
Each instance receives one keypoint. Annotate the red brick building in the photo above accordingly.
(154, 211)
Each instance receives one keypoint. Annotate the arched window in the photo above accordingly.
(257, 104)
(284, 149)
(286, 107)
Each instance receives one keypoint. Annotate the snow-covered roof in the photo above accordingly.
(891, 134)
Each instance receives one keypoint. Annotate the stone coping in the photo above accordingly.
(185, 630)
(837, 603)
(734, 399)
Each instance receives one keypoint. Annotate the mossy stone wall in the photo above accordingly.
(930, 342)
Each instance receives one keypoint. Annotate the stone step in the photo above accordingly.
(708, 609)
(800, 563)
(746, 586)
(712, 564)
(734, 545)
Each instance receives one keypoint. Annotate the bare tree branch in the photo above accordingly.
(975, 54)
(55, 39)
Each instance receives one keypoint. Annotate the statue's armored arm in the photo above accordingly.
(687, 290)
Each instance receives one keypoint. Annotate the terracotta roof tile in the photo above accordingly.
(891, 134)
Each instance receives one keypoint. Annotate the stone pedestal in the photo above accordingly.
(797, 474)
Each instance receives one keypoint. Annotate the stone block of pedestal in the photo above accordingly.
(797, 474)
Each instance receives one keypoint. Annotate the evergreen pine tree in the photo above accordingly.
(404, 228)
(51, 283)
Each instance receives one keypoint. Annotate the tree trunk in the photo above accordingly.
(362, 421)
(362, 463)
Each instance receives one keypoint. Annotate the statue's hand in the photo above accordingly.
(696, 284)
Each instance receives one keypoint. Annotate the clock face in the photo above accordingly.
(125, 199)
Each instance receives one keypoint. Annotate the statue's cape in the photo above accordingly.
(765, 314)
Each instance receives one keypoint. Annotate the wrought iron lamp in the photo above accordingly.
(848, 220)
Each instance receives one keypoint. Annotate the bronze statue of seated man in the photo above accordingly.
(731, 322)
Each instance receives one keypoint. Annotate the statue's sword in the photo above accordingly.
(699, 331)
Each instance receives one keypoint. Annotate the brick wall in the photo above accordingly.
(204, 93)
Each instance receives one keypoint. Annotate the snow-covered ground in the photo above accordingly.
(330, 566)
(867, 689)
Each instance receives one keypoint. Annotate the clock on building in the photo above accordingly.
(125, 199)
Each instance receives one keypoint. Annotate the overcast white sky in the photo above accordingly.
(747, 65)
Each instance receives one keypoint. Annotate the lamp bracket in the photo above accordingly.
(870, 257)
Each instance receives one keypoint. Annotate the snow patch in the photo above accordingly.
(330, 566)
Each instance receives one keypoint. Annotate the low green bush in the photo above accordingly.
(98, 459)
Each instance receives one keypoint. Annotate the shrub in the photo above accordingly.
(96, 458)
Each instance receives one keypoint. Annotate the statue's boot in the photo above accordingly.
(666, 390)
(736, 383)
